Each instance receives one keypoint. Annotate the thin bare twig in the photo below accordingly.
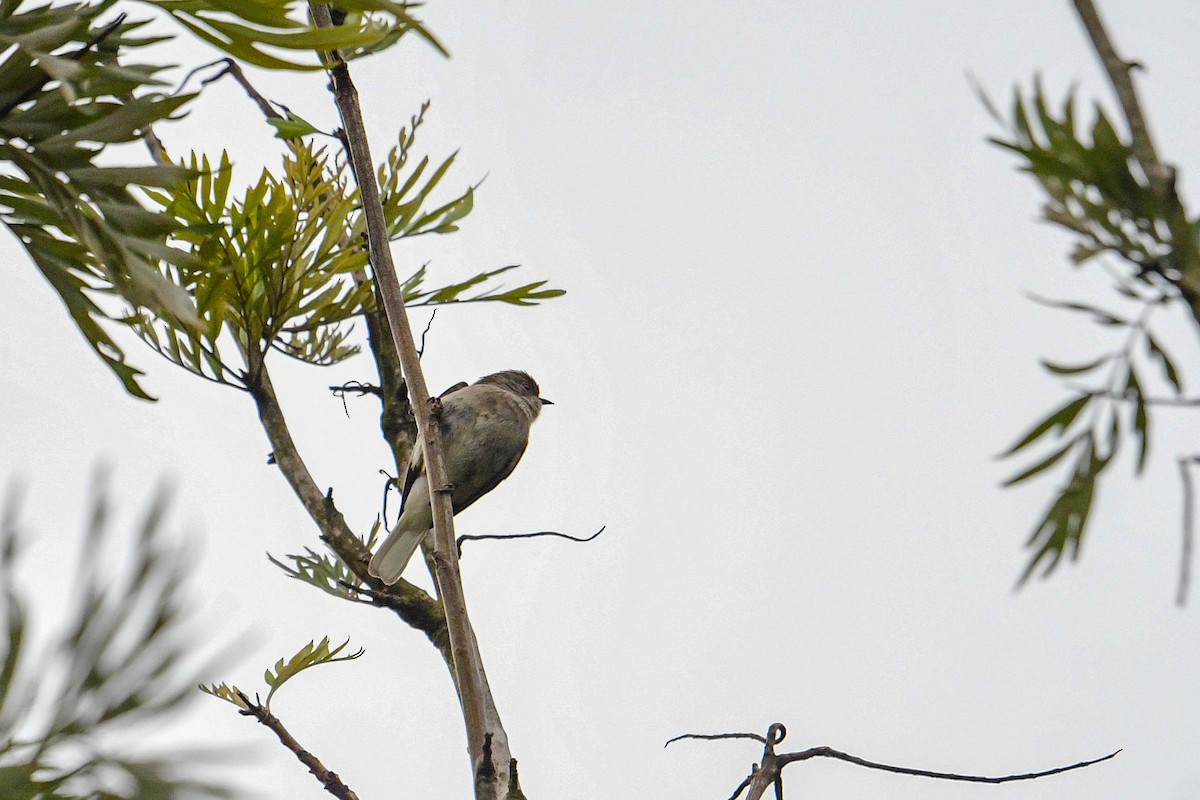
(1185, 558)
(829, 752)
(741, 787)
(477, 537)
(328, 778)
(428, 325)
(712, 736)
(234, 70)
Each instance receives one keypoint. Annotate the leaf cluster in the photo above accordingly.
(64, 98)
(271, 33)
(1088, 430)
(283, 265)
(115, 670)
(69, 91)
(311, 655)
(1096, 189)
(1094, 185)
(327, 572)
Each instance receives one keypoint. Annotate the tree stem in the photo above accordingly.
(468, 665)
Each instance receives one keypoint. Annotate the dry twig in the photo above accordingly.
(769, 771)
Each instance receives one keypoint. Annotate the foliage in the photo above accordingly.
(114, 670)
(1096, 189)
(283, 266)
(249, 30)
(68, 92)
(308, 656)
(64, 97)
(328, 572)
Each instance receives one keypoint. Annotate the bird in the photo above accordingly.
(485, 430)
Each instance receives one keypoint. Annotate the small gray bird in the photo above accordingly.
(485, 428)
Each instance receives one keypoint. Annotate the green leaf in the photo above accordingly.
(1168, 366)
(291, 128)
(308, 656)
(1075, 369)
(1044, 464)
(1133, 389)
(1060, 532)
(1059, 419)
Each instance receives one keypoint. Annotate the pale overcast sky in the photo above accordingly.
(793, 342)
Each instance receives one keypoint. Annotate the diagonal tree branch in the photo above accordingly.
(328, 778)
(1160, 175)
(410, 602)
(468, 665)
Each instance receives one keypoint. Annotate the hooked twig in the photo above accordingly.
(356, 387)
(476, 537)
(392, 483)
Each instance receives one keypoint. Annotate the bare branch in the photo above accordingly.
(234, 70)
(428, 325)
(741, 787)
(479, 536)
(711, 736)
(1120, 74)
(328, 778)
(769, 771)
(829, 752)
(412, 603)
(468, 666)
(1185, 558)
(1160, 175)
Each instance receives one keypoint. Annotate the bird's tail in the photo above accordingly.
(392, 556)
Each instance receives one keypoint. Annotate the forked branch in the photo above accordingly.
(769, 771)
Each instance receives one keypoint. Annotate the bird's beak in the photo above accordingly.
(546, 402)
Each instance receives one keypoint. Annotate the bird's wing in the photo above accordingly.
(416, 459)
(462, 499)
(416, 466)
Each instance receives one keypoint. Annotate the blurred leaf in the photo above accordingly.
(1076, 369)
(64, 95)
(1061, 530)
(1133, 390)
(1059, 419)
(113, 676)
(1168, 366)
(1044, 464)
(266, 33)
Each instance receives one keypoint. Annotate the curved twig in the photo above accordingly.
(829, 752)
(710, 736)
(479, 536)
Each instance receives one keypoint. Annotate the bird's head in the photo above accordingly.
(519, 383)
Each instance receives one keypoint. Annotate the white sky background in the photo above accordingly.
(793, 342)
